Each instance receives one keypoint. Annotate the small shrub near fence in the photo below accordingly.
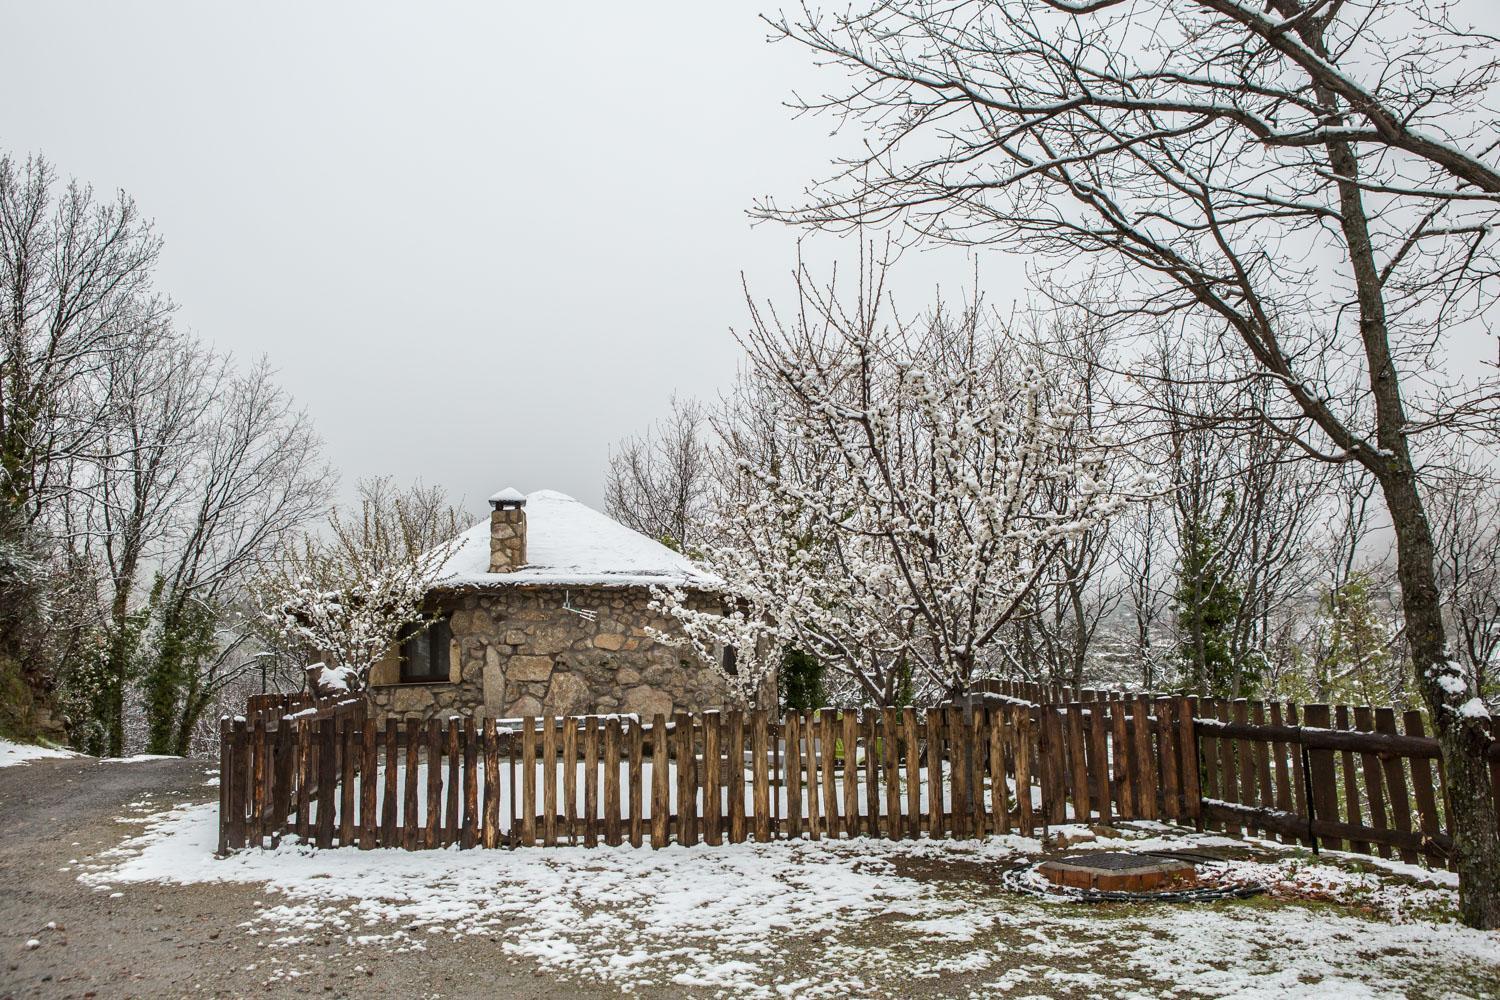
(333, 777)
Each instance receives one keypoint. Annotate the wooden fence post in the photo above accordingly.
(637, 769)
(737, 831)
(1187, 748)
(759, 761)
(660, 775)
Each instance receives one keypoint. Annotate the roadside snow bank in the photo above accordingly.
(19, 753)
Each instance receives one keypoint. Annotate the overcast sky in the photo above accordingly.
(480, 241)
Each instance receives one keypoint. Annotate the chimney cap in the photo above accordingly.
(509, 498)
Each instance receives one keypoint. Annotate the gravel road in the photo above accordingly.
(181, 941)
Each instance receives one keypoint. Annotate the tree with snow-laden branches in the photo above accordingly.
(345, 599)
(918, 483)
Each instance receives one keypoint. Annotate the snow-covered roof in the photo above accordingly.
(569, 543)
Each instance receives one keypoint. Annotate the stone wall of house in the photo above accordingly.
(521, 651)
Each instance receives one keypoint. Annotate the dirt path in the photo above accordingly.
(151, 940)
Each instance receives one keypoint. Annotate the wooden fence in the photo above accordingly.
(333, 777)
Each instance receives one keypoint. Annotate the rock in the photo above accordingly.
(515, 637)
(525, 705)
(609, 640)
(528, 668)
(647, 701)
(627, 676)
(494, 686)
(568, 695)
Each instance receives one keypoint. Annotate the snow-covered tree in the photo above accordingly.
(924, 481)
(344, 599)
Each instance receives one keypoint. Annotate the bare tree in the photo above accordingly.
(75, 293)
(1313, 182)
(659, 483)
(257, 476)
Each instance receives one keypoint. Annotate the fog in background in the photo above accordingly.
(481, 242)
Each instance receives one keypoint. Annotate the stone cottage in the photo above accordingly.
(543, 609)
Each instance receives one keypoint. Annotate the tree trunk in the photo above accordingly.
(1462, 741)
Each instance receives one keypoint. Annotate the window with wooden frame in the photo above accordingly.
(424, 651)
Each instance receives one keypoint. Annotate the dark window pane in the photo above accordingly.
(424, 653)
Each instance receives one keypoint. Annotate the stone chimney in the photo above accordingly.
(507, 531)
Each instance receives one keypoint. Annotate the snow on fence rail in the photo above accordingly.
(333, 777)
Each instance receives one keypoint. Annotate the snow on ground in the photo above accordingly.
(20, 753)
(862, 917)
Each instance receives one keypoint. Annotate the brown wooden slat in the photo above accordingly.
(1260, 754)
(612, 835)
(1166, 744)
(1283, 772)
(810, 738)
(793, 777)
(549, 778)
(1300, 776)
(935, 774)
(852, 821)
(226, 783)
(1146, 779)
(591, 781)
(713, 769)
(1189, 766)
(327, 781)
(1421, 783)
(1058, 771)
(1248, 793)
(491, 838)
(762, 787)
(890, 748)
(1324, 777)
(1229, 784)
(1351, 784)
(528, 781)
(872, 778)
(570, 779)
(434, 741)
(1208, 757)
(410, 827)
(979, 752)
(1078, 764)
(661, 769)
(637, 792)
(687, 791)
(737, 826)
(469, 826)
(238, 777)
(999, 793)
(1374, 780)
(829, 729)
(1023, 769)
(256, 817)
(455, 785)
(369, 781)
(1123, 772)
(912, 751)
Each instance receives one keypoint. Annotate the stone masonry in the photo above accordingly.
(520, 650)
